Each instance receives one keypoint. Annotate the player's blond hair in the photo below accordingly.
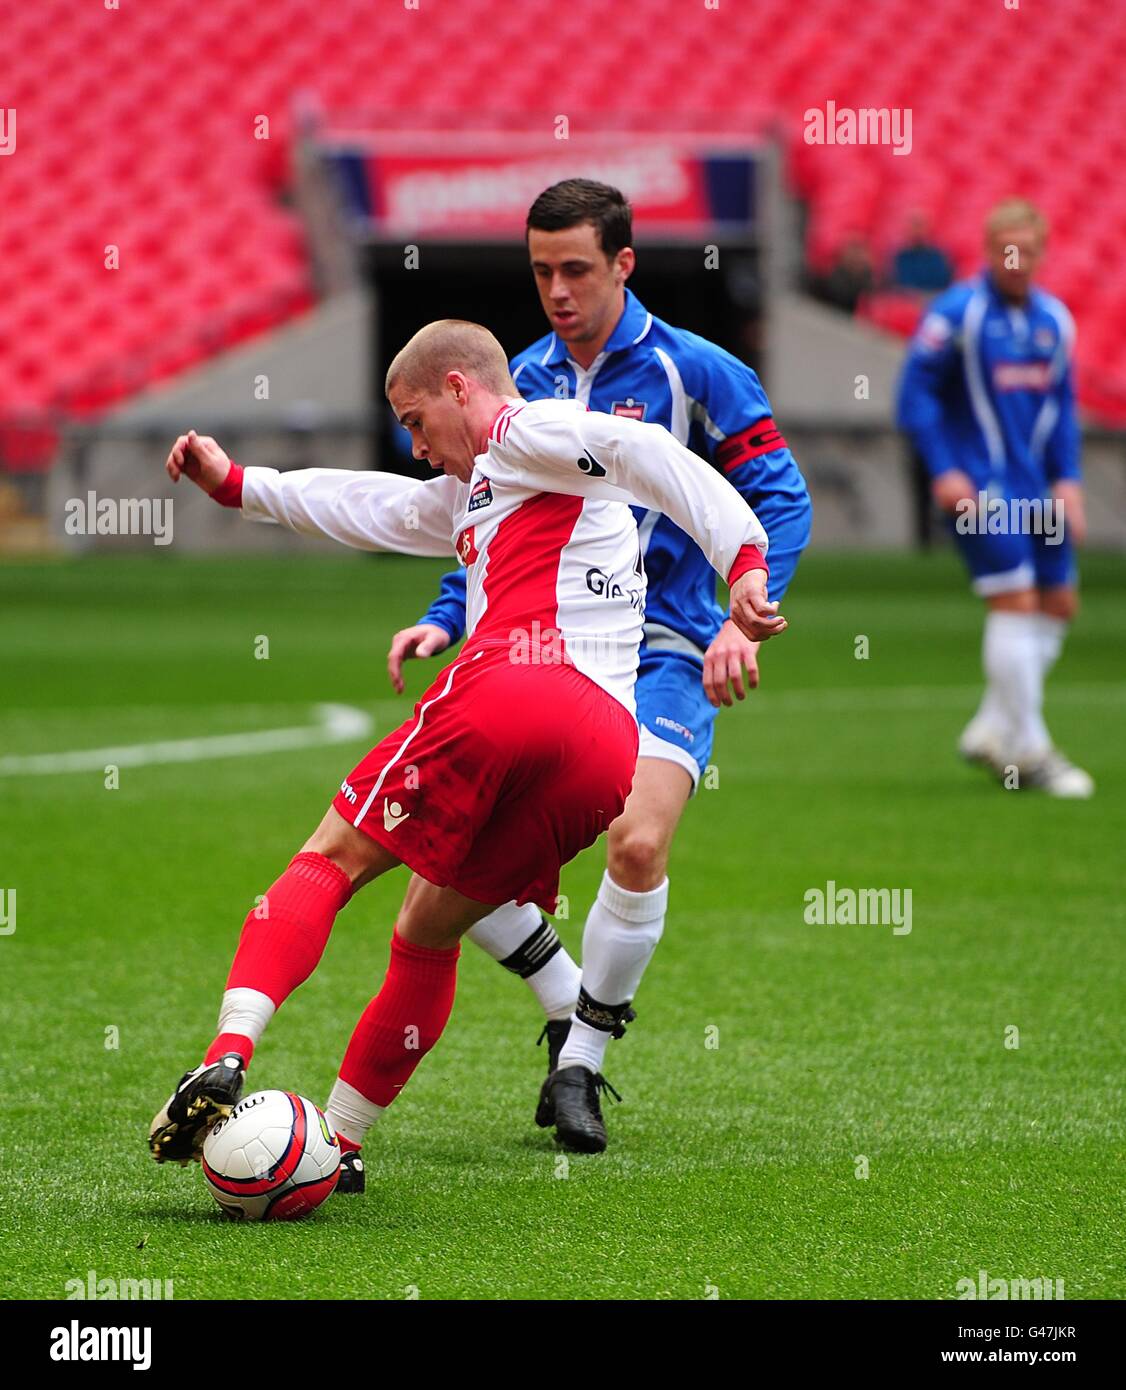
(451, 345)
(1015, 212)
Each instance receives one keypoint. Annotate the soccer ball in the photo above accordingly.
(273, 1158)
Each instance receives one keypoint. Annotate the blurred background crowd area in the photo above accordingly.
(199, 197)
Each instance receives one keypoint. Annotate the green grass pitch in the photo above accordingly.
(770, 1056)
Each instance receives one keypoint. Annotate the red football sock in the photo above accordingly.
(229, 1042)
(284, 937)
(403, 1022)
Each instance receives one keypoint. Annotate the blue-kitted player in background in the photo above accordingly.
(606, 350)
(988, 400)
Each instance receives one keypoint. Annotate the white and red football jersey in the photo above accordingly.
(543, 527)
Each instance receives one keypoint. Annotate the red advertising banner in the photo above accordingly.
(490, 195)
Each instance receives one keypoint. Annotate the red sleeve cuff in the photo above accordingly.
(750, 557)
(229, 491)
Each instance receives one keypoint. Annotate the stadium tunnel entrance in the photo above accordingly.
(492, 284)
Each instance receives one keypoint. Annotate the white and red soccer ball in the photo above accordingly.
(274, 1158)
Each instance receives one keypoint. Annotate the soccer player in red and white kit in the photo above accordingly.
(523, 750)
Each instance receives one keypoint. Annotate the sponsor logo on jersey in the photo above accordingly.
(1022, 376)
(606, 586)
(467, 546)
(589, 465)
(393, 814)
(480, 495)
(349, 793)
(631, 409)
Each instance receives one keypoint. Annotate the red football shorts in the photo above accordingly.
(504, 772)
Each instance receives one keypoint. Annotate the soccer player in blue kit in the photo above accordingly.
(987, 398)
(606, 350)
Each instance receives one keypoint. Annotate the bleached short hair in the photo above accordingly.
(451, 345)
(1015, 212)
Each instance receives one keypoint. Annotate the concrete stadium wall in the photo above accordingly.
(318, 371)
(320, 377)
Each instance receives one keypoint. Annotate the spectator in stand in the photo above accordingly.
(849, 277)
(919, 264)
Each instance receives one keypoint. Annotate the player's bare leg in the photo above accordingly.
(621, 934)
(283, 939)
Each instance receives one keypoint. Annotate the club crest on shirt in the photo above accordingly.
(934, 332)
(480, 495)
(633, 410)
(467, 546)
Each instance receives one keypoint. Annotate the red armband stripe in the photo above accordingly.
(229, 491)
(750, 557)
(763, 437)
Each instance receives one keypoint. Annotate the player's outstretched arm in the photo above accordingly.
(368, 511)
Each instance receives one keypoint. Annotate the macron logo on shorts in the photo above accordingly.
(393, 814)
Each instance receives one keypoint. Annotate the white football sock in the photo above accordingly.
(246, 1012)
(990, 723)
(1052, 631)
(350, 1113)
(621, 934)
(528, 945)
(1014, 666)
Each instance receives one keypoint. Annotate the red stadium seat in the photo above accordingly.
(162, 161)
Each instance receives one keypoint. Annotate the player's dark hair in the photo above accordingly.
(573, 201)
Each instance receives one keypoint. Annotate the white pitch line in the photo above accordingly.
(339, 723)
(334, 724)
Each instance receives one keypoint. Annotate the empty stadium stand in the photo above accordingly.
(136, 128)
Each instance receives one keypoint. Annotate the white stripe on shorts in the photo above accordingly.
(1007, 582)
(406, 742)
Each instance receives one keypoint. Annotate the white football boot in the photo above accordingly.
(981, 743)
(1051, 772)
